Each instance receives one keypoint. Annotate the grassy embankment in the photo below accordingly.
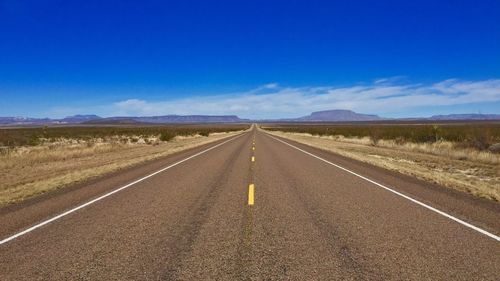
(37, 160)
(464, 157)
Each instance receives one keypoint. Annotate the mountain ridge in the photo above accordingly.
(335, 115)
(95, 119)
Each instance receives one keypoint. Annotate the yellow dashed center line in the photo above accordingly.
(251, 187)
(250, 194)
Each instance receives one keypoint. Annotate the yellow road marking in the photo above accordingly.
(253, 147)
(250, 194)
(253, 158)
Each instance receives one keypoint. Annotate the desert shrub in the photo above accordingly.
(167, 136)
(494, 148)
(477, 136)
(34, 140)
(4, 150)
(375, 136)
(474, 143)
(399, 140)
(31, 136)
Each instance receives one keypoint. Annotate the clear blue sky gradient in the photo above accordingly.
(57, 54)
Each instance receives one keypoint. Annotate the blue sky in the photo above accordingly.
(256, 59)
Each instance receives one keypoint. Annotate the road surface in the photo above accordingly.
(252, 207)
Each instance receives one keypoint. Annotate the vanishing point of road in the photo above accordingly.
(251, 207)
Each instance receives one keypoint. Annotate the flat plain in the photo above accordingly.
(37, 160)
(315, 215)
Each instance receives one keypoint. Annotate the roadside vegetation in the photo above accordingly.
(37, 160)
(32, 136)
(478, 136)
(463, 156)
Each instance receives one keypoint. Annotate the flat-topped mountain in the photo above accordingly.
(170, 119)
(338, 115)
(190, 119)
(80, 118)
(472, 116)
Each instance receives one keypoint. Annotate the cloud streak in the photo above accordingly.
(383, 97)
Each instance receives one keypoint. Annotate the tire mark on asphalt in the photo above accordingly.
(244, 262)
(245, 254)
(194, 220)
(352, 264)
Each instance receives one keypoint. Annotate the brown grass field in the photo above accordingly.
(38, 160)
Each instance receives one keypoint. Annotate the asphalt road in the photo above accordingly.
(309, 220)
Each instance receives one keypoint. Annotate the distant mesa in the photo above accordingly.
(191, 119)
(80, 118)
(338, 115)
(466, 117)
(112, 121)
(167, 119)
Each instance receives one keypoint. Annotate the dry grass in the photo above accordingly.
(468, 170)
(439, 148)
(33, 170)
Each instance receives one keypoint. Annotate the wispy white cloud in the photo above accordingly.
(272, 100)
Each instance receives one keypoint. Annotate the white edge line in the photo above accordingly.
(491, 235)
(12, 237)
